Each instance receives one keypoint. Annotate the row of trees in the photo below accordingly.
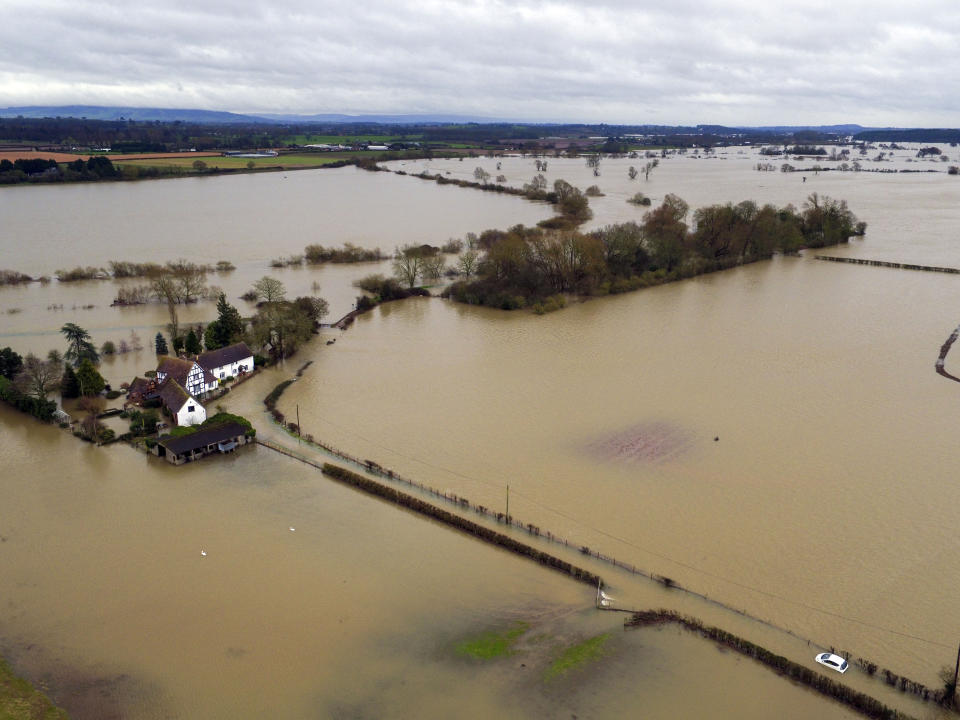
(279, 326)
(41, 169)
(27, 381)
(526, 265)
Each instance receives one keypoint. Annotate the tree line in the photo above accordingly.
(526, 266)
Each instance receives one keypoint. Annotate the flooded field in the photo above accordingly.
(774, 436)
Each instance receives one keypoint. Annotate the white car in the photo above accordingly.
(832, 661)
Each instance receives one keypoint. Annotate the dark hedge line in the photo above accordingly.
(455, 521)
(862, 703)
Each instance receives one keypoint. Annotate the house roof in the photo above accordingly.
(175, 367)
(224, 356)
(179, 369)
(139, 385)
(173, 395)
(202, 438)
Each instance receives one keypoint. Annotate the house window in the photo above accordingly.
(190, 408)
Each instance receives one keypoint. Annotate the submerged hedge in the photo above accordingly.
(455, 521)
(862, 703)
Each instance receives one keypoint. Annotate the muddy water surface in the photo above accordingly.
(826, 505)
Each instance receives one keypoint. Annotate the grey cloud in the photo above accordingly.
(609, 60)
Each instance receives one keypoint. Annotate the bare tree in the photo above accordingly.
(190, 280)
(434, 266)
(593, 162)
(467, 263)
(481, 175)
(39, 377)
(408, 265)
(165, 289)
(269, 289)
(632, 173)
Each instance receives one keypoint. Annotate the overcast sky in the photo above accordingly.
(871, 62)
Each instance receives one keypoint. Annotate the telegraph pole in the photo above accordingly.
(508, 520)
(299, 430)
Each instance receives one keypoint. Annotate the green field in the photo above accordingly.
(489, 645)
(19, 700)
(350, 139)
(235, 163)
(578, 655)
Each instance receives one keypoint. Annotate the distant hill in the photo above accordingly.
(923, 135)
(850, 129)
(98, 112)
(102, 112)
(423, 119)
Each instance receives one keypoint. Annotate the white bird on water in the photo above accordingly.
(203, 552)
(293, 529)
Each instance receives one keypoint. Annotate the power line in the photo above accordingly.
(653, 553)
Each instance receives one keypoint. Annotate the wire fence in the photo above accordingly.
(901, 683)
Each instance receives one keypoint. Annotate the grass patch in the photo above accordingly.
(490, 645)
(19, 700)
(221, 418)
(578, 655)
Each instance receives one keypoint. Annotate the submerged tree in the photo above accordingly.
(593, 162)
(408, 265)
(269, 290)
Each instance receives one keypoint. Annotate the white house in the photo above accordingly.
(191, 377)
(232, 361)
(184, 408)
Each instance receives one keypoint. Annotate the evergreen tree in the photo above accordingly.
(69, 385)
(79, 346)
(10, 363)
(161, 344)
(177, 345)
(211, 336)
(91, 382)
(192, 345)
(229, 324)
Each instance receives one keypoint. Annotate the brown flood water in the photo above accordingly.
(827, 506)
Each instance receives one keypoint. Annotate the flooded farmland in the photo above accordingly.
(826, 503)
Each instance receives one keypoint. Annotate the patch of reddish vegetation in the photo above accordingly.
(12, 155)
(647, 442)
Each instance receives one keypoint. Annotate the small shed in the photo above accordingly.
(186, 448)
